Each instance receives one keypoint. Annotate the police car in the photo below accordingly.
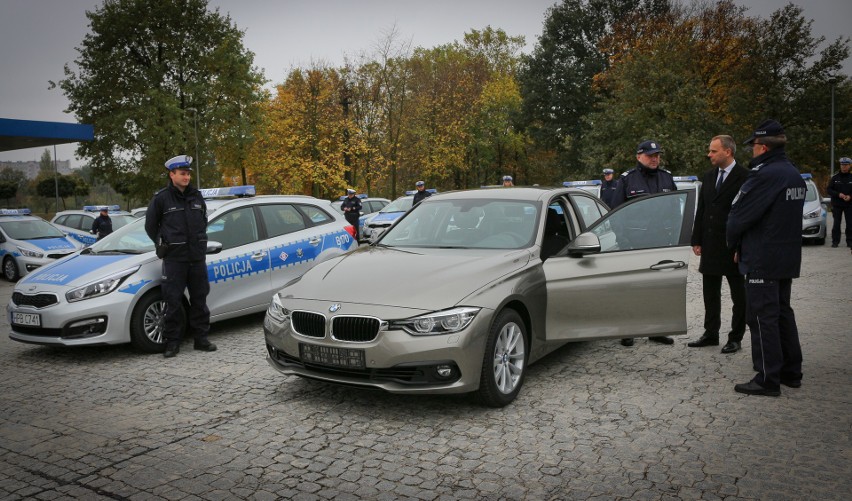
(28, 242)
(592, 186)
(78, 223)
(109, 293)
(814, 215)
(138, 211)
(375, 224)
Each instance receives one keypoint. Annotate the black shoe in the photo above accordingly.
(662, 339)
(834, 245)
(627, 341)
(731, 347)
(752, 388)
(792, 383)
(704, 340)
(172, 349)
(204, 346)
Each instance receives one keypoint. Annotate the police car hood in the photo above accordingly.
(80, 269)
(429, 279)
(386, 217)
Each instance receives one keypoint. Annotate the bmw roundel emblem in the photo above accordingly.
(334, 307)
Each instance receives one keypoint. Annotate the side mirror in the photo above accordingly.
(826, 200)
(585, 243)
(213, 247)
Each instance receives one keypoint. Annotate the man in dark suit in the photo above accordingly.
(719, 187)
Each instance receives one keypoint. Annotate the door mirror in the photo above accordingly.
(213, 247)
(585, 243)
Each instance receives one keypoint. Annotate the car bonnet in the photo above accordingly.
(429, 279)
(81, 269)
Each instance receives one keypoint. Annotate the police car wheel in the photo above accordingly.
(146, 323)
(504, 362)
(10, 269)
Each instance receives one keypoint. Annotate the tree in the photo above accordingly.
(139, 71)
(11, 179)
(47, 186)
(46, 164)
(8, 190)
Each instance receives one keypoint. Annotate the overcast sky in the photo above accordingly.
(39, 36)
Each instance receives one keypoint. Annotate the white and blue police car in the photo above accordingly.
(78, 223)
(375, 224)
(28, 242)
(369, 206)
(109, 292)
(814, 214)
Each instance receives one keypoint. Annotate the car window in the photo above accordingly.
(131, 239)
(399, 205)
(61, 220)
(812, 193)
(589, 210)
(120, 220)
(86, 223)
(234, 229)
(74, 221)
(281, 219)
(647, 223)
(316, 215)
(30, 229)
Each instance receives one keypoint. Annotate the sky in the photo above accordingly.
(40, 36)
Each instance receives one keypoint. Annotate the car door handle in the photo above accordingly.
(257, 256)
(668, 264)
(315, 240)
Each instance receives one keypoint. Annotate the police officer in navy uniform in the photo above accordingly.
(176, 220)
(608, 186)
(840, 190)
(719, 186)
(645, 179)
(352, 209)
(421, 192)
(765, 228)
(102, 225)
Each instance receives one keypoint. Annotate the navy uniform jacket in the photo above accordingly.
(180, 219)
(840, 183)
(420, 195)
(102, 226)
(608, 190)
(765, 224)
(354, 212)
(638, 181)
(711, 218)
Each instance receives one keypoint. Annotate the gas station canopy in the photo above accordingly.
(20, 134)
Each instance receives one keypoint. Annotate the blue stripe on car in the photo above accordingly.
(67, 271)
(51, 244)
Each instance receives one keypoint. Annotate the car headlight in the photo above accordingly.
(439, 322)
(99, 288)
(30, 253)
(276, 311)
(813, 214)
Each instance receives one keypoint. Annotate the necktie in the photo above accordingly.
(720, 180)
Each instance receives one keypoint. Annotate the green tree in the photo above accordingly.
(8, 190)
(45, 164)
(140, 69)
(47, 186)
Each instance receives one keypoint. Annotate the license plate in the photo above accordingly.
(349, 358)
(28, 319)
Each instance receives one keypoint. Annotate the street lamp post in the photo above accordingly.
(195, 128)
(832, 81)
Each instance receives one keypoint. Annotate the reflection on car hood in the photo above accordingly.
(429, 279)
(82, 269)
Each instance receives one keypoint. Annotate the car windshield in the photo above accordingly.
(399, 205)
(30, 229)
(466, 223)
(120, 220)
(129, 239)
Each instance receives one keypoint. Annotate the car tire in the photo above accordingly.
(505, 360)
(10, 269)
(146, 323)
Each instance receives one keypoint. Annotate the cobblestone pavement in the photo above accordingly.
(595, 420)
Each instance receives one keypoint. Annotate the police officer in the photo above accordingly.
(840, 190)
(764, 227)
(352, 209)
(608, 186)
(102, 225)
(507, 182)
(176, 221)
(421, 192)
(645, 179)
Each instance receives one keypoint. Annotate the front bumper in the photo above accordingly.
(814, 228)
(395, 361)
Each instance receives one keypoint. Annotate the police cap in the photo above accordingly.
(179, 162)
(649, 147)
(768, 128)
(507, 178)
(845, 160)
(419, 183)
(608, 171)
(350, 191)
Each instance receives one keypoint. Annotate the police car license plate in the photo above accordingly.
(28, 319)
(349, 358)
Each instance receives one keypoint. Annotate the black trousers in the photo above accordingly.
(177, 277)
(352, 218)
(838, 213)
(775, 348)
(712, 285)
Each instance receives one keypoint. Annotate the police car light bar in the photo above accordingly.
(361, 196)
(96, 208)
(592, 182)
(229, 191)
(15, 212)
(686, 178)
(807, 175)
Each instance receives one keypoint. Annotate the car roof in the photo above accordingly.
(217, 204)
(91, 213)
(526, 193)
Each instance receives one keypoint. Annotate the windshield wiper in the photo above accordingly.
(122, 251)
